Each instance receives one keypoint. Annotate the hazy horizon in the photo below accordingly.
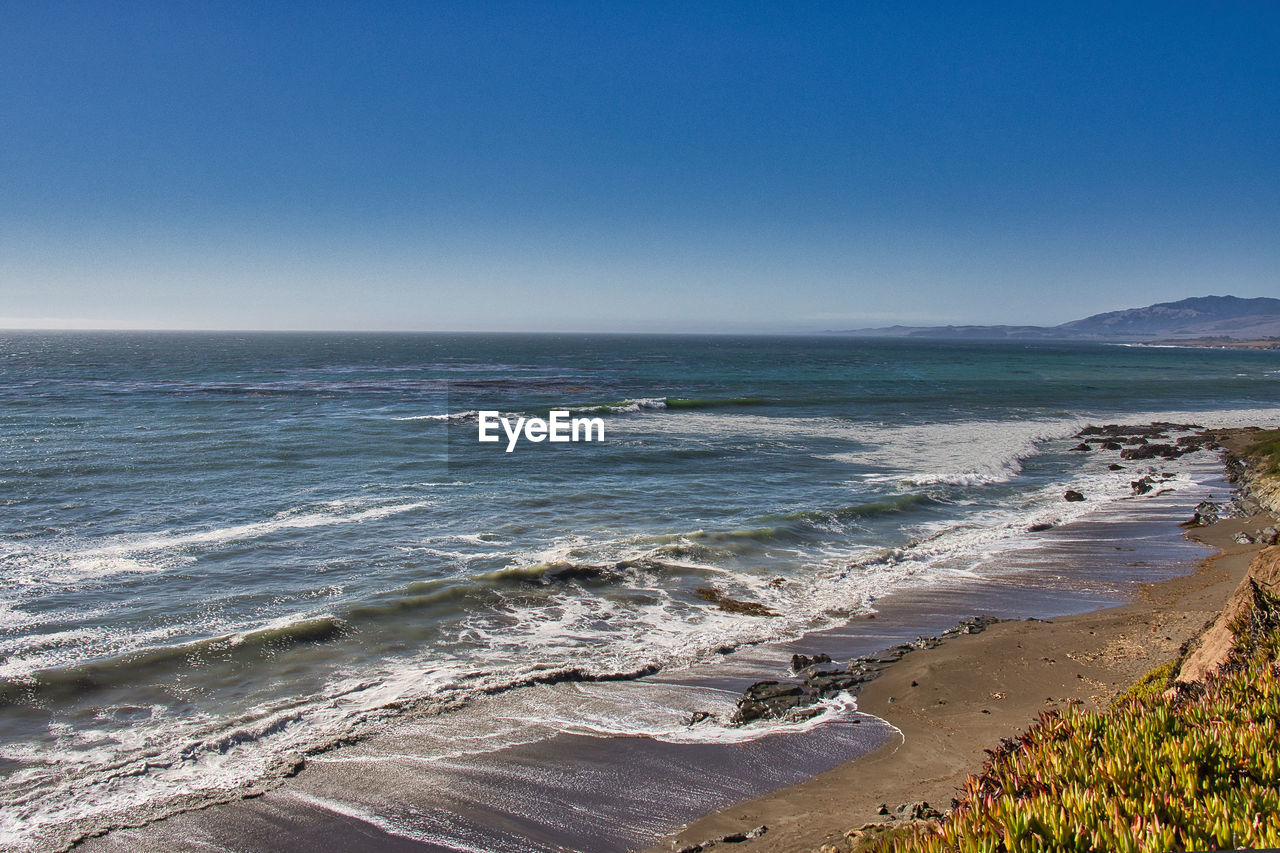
(585, 332)
(737, 169)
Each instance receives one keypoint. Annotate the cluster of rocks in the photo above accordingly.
(1138, 440)
(910, 811)
(733, 605)
(1207, 512)
(866, 836)
(1243, 502)
(1137, 443)
(1154, 451)
(1211, 512)
(1265, 536)
(799, 662)
(1129, 432)
(1145, 484)
(731, 838)
(817, 678)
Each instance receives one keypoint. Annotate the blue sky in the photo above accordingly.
(639, 167)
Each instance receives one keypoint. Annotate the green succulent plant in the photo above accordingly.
(1192, 769)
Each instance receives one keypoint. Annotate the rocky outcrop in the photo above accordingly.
(1257, 491)
(772, 700)
(795, 699)
(803, 662)
(733, 605)
(1207, 512)
(1145, 442)
(1155, 430)
(731, 838)
(1152, 451)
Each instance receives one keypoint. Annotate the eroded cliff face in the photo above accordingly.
(1256, 595)
(1259, 591)
(1251, 467)
(1266, 491)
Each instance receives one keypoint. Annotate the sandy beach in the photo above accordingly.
(953, 702)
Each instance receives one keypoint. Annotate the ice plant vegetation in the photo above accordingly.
(1197, 769)
(1266, 448)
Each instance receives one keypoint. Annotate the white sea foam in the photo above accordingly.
(623, 407)
(13, 618)
(980, 452)
(711, 424)
(661, 712)
(972, 452)
(140, 553)
(28, 656)
(966, 453)
(478, 538)
(447, 416)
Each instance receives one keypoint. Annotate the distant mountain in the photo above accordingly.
(1197, 317)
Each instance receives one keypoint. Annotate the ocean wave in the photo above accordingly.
(25, 677)
(470, 415)
(965, 453)
(675, 404)
(622, 407)
(686, 403)
(884, 506)
(141, 553)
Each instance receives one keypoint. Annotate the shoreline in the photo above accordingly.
(951, 703)
(647, 786)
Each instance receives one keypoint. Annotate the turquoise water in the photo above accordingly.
(219, 551)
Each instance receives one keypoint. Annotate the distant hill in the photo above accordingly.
(1197, 317)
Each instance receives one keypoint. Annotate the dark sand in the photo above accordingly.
(952, 702)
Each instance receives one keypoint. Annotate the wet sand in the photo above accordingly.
(952, 702)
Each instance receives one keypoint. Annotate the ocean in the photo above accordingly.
(223, 553)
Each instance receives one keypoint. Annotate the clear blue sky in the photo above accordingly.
(631, 166)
